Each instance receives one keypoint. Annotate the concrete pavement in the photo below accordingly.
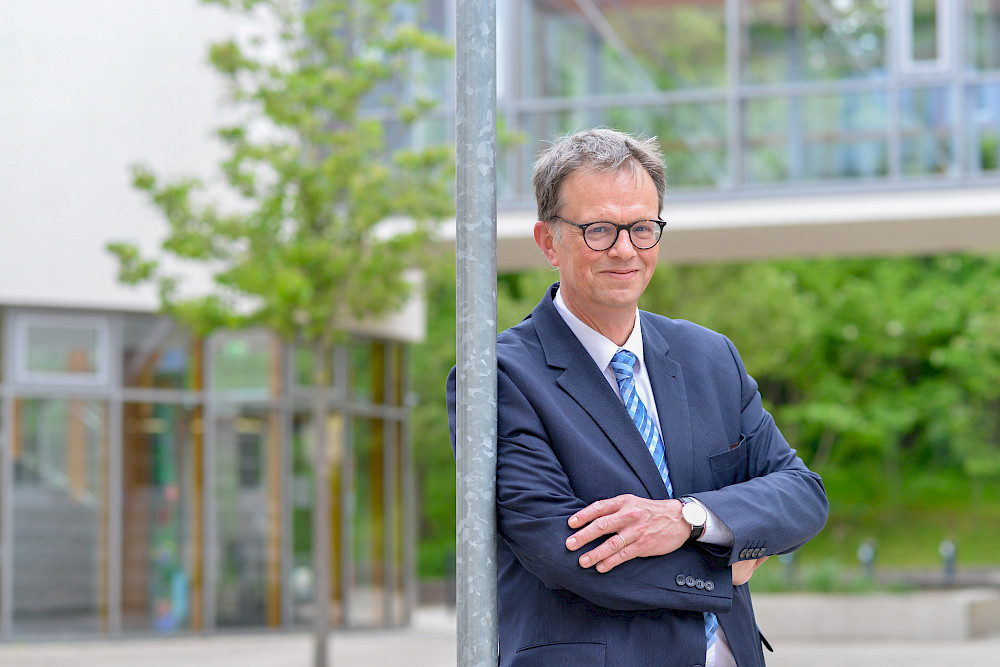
(431, 643)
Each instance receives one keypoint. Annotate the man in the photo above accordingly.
(639, 479)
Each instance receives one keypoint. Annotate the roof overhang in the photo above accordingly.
(928, 221)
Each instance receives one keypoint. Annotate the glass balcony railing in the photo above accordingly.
(758, 94)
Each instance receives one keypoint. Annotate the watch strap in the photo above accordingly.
(696, 530)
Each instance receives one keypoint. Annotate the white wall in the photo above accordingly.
(88, 87)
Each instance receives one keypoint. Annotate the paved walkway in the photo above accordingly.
(431, 643)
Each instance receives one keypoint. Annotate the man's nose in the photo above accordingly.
(623, 245)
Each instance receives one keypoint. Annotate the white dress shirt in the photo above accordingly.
(601, 350)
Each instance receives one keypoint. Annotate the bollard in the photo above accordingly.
(866, 556)
(948, 550)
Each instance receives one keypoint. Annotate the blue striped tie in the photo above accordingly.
(623, 364)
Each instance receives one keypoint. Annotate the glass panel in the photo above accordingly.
(983, 20)
(62, 349)
(669, 45)
(791, 40)
(395, 512)
(398, 584)
(926, 131)
(60, 517)
(550, 35)
(302, 367)
(248, 506)
(435, 16)
(303, 455)
(246, 365)
(610, 47)
(157, 353)
(924, 24)
(692, 136)
(425, 77)
(162, 513)
(825, 137)
(363, 371)
(368, 527)
(302, 582)
(983, 128)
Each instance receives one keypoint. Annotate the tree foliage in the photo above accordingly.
(888, 368)
(883, 372)
(295, 233)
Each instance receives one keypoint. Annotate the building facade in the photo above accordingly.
(154, 482)
(789, 127)
(151, 481)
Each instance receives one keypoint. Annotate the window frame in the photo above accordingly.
(23, 322)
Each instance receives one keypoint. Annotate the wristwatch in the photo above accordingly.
(696, 515)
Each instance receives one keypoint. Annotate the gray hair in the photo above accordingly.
(601, 150)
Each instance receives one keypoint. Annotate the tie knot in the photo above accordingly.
(623, 364)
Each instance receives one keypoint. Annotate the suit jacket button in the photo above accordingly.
(709, 585)
(680, 579)
(689, 581)
(699, 584)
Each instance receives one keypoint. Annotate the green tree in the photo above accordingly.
(309, 178)
(885, 365)
(884, 373)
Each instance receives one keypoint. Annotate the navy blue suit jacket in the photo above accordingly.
(565, 440)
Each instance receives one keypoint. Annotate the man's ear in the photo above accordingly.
(546, 242)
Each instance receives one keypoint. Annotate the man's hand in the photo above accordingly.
(641, 527)
(744, 569)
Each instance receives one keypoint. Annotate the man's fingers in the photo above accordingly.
(597, 509)
(653, 527)
(589, 533)
(610, 553)
(594, 521)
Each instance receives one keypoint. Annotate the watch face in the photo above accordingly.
(694, 514)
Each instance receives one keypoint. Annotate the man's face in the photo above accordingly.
(602, 287)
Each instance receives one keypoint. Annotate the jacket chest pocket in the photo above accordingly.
(730, 466)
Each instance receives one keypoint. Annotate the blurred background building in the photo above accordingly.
(154, 482)
(790, 127)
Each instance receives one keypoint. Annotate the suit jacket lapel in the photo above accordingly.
(667, 379)
(586, 385)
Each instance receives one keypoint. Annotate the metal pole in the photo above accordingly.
(476, 423)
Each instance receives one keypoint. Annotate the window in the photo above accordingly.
(246, 364)
(156, 353)
(60, 515)
(923, 35)
(61, 349)
(982, 39)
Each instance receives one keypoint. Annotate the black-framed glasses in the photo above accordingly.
(601, 235)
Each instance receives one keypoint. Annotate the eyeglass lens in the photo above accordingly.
(601, 236)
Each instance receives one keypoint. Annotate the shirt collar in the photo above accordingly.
(600, 348)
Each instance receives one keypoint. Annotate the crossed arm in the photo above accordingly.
(641, 528)
(593, 537)
(534, 472)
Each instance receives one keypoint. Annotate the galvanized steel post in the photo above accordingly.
(476, 423)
